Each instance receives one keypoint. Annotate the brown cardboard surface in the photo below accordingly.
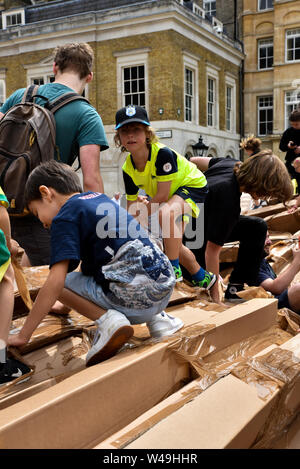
(229, 252)
(231, 413)
(266, 211)
(284, 222)
(290, 438)
(108, 396)
(212, 420)
(211, 368)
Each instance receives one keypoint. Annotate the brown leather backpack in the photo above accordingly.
(27, 139)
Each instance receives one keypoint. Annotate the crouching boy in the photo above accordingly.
(124, 278)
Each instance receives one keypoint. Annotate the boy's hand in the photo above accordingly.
(291, 144)
(17, 340)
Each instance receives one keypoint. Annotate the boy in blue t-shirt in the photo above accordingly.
(124, 278)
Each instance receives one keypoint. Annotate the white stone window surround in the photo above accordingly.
(291, 102)
(131, 58)
(190, 62)
(231, 83)
(263, 5)
(10, 14)
(265, 103)
(212, 72)
(265, 43)
(292, 34)
(210, 7)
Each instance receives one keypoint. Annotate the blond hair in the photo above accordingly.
(75, 56)
(251, 143)
(150, 137)
(265, 175)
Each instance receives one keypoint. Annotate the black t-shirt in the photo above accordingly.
(265, 272)
(292, 135)
(222, 204)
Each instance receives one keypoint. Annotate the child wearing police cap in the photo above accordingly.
(175, 188)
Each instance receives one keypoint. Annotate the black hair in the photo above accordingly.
(59, 176)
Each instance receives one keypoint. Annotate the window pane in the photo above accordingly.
(141, 71)
(133, 72)
(141, 85)
(126, 73)
(134, 86)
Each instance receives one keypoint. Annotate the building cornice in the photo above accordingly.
(117, 24)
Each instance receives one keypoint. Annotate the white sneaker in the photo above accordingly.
(163, 324)
(112, 332)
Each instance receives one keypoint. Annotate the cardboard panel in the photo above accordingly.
(284, 222)
(214, 419)
(231, 413)
(110, 395)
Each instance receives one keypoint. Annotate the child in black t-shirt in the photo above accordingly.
(124, 278)
(262, 175)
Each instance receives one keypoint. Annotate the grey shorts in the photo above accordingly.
(86, 287)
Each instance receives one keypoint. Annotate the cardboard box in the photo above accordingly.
(108, 396)
(266, 211)
(284, 221)
(232, 413)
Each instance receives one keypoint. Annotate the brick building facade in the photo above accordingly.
(272, 67)
(164, 54)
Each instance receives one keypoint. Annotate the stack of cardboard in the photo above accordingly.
(229, 379)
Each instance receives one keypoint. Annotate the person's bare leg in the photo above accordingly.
(81, 305)
(294, 297)
(6, 303)
(59, 308)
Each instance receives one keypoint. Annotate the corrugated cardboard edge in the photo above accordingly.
(103, 395)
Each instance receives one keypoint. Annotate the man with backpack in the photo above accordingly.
(79, 129)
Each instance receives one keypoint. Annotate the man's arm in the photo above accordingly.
(1, 115)
(46, 298)
(279, 284)
(90, 165)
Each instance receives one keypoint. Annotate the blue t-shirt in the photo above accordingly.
(77, 123)
(91, 228)
(265, 272)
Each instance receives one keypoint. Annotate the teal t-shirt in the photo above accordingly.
(76, 123)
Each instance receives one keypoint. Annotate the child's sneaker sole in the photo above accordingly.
(119, 338)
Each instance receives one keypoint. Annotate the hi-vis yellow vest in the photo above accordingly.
(187, 174)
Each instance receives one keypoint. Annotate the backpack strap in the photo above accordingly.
(63, 100)
(29, 93)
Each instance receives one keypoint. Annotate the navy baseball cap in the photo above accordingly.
(131, 113)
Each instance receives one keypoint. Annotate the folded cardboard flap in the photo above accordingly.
(108, 396)
(266, 210)
(284, 221)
